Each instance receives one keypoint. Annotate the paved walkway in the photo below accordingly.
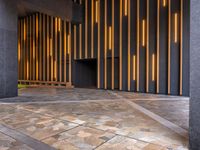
(87, 119)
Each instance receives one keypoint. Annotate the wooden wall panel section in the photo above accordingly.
(139, 46)
(46, 50)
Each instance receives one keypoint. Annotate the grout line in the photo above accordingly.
(60, 133)
(62, 101)
(105, 142)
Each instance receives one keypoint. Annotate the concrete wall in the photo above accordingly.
(57, 8)
(8, 48)
(195, 75)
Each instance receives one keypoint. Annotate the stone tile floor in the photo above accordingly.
(87, 119)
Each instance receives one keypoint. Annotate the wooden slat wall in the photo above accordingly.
(138, 45)
(44, 51)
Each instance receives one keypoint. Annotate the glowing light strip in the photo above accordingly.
(134, 67)
(125, 7)
(153, 67)
(169, 47)
(164, 3)
(55, 59)
(86, 29)
(96, 3)
(74, 41)
(65, 53)
(34, 60)
(24, 47)
(129, 46)
(143, 32)
(48, 50)
(68, 43)
(31, 48)
(37, 33)
(60, 46)
(113, 47)
(175, 27)
(138, 45)
(19, 45)
(27, 61)
(147, 49)
(99, 38)
(92, 29)
(51, 48)
(105, 46)
(158, 47)
(181, 48)
(80, 41)
(120, 48)
(110, 38)
(40, 48)
(59, 24)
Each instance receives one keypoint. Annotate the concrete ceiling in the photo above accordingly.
(57, 8)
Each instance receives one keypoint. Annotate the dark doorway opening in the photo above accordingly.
(85, 73)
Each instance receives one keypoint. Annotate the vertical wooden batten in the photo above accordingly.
(65, 52)
(169, 46)
(70, 56)
(105, 45)
(51, 49)
(60, 49)
(80, 41)
(37, 49)
(113, 45)
(75, 42)
(120, 45)
(129, 46)
(92, 28)
(138, 46)
(181, 47)
(55, 46)
(86, 29)
(34, 44)
(158, 47)
(147, 48)
(48, 50)
(40, 48)
(99, 42)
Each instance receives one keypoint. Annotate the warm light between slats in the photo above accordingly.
(153, 67)
(134, 67)
(96, 17)
(24, 30)
(126, 7)
(68, 44)
(51, 50)
(164, 3)
(175, 27)
(143, 32)
(59, 24)
(110, 37)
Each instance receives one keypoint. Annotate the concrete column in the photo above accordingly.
(194, 74)
(8, 48)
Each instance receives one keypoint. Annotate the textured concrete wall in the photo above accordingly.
(57, 8)
(8, 48)
(195, 75)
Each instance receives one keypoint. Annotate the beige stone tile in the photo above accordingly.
(45, 127)
(82, 138)
(123, 143)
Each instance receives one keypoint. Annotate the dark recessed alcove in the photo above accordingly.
(85, 73)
